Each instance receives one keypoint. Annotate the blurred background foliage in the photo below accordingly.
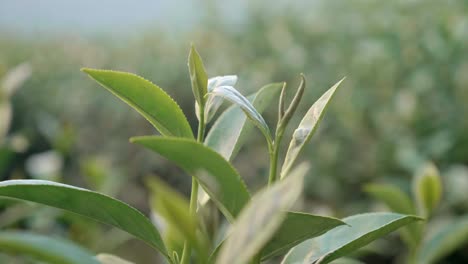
(404, 102)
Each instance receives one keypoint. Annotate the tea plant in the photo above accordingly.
(430, 241)
(261, 226)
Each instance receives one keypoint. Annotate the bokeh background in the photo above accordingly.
(404, 102)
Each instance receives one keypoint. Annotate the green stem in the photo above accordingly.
(274, 152)
(187, 251)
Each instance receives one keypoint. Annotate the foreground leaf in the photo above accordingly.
(87, 203)
(230, 130)
(111, 259)
(296, 228)
(147, 98)
(232, 95)
(446, 240)
(216, 175)
(260, 219)
(174, 208)
(51, 250)
(343, 240)
(307, 128)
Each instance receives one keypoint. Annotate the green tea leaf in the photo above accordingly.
(174, 208)
(232, 95)
(229, 131)
(392, 196)
(147, 98)
(260, 219)
(111, 259)
(296, 228)
(307, 128)
(427, 188)
(213, 103)
(343, 240)
(87, 203)
(216, 175)
(198, 76)
(45, 248)
(444, 241)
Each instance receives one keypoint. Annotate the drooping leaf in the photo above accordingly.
(147, 98)
(212, 102)
(229, 131)
(198, 76)
(307, 127)
(87, 203)
(427, 188)
(444, 241)
(296, 228)
(343, 240)
(260, 219)
(232, 95)
(174, 208)
(393, 197)
(45, 248)
(216, 175)
(111, 259)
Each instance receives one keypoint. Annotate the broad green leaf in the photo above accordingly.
(213, 103)
(393, 197)
(91, 204)
(232, 95)
(444, 241)
(307, 127)
(111, 259)
(229, 131)
(45, 248)
(427, 188)
(147, 98)
(296, 228)
(343, 240)
(174, 208)
(198, 76)
(216, 175)
(260, 219)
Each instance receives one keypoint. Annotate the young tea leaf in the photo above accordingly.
(427, 188)
(86, 203)
(147, 98)
(307, 127)
(216, 175)
(446, 240)
(45, 248)
(232, 95)
(260, 219)
(343, 240)
(198, 76)
(296, 228)
(212, 102)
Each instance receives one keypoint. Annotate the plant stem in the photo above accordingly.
(187, 252)
(274, 152)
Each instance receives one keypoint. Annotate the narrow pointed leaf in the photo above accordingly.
(87, 203)
(343, 240)
(232, 95)
(394, 198)
(174, 208)
(296, 228)
(260, 219)
(229, 131)
(111, 259)
(216, 175)
(198, 76)
(444, 241)
(427, 188)
(48, 249)
(147, 98)
(307, 127)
